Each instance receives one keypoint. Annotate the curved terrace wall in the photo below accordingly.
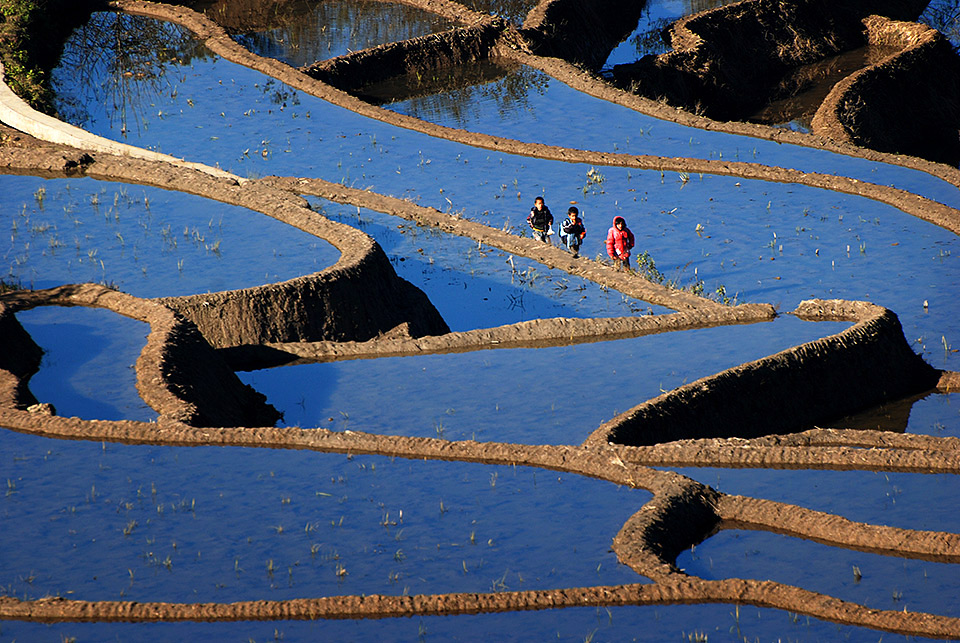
(178, 374)
(860, 367)
(908, 103)
(356, 299)
(725, 60)
(352, 302)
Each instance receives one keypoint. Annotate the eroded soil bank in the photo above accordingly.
(908, 103)
(648, 549)
(725, 61)
(861, 367)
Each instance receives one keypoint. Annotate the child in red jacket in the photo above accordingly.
(619, 243)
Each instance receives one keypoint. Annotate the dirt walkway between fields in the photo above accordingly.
(682, 512)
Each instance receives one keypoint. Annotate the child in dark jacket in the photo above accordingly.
(572, 231)
(540, 220)
(619, 243)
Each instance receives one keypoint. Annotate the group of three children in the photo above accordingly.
(572, 231)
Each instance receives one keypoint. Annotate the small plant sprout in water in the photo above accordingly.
(594, 181)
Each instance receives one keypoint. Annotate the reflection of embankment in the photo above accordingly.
(580, 32)
(424, 56)
(725, 61)
(728, 63)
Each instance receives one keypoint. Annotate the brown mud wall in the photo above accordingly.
(682, 514)
(178, 374)
(354, 302)
(725, 61)
(860, 367)
(535, 333)
(357, 298)
(908, 103)
(421, 55)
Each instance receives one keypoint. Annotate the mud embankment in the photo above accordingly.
(353, 302)
(858, 368)
(178, 374)
(726, 61)
(536, 333)
(908, 103)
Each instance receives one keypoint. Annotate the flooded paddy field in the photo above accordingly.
(107, 521)
(78, 341)
(534, 396)
(144, 240)
(199, 106)
(222, 524)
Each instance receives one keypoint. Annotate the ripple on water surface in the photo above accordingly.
(108, 521)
